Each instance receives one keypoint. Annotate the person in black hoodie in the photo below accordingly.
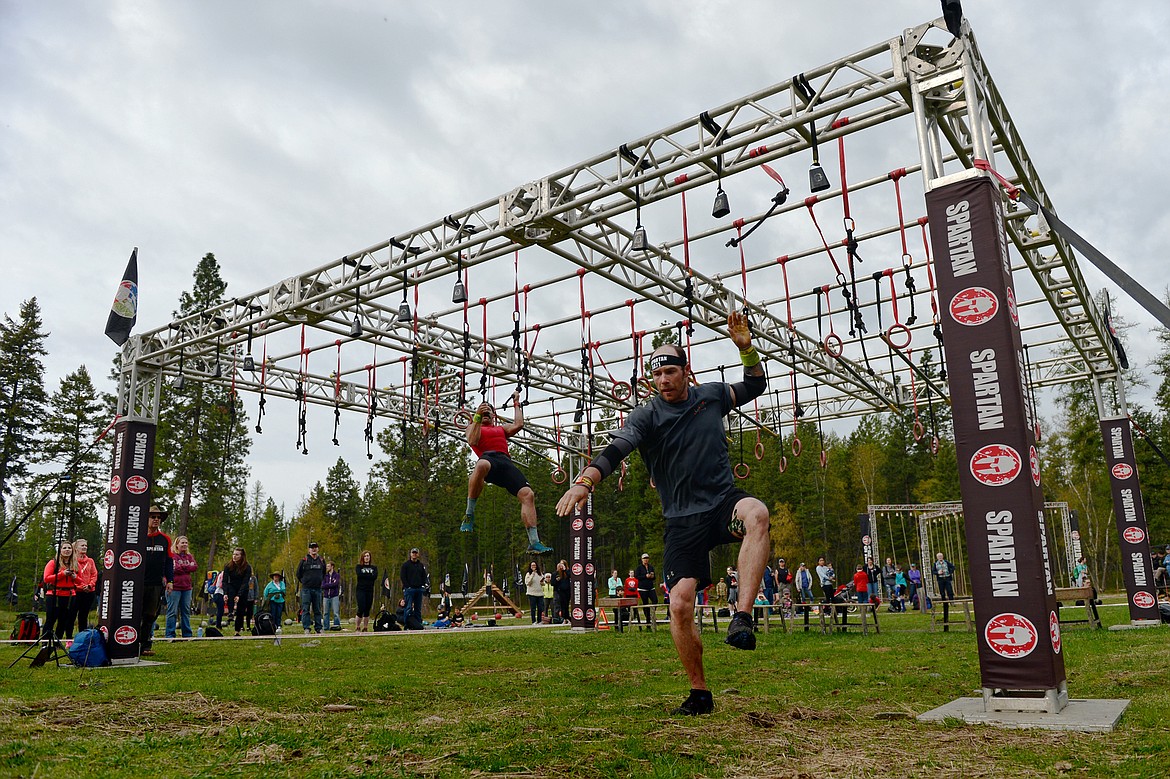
(310, 572)
(414, 580)
(367, 576)
(157, 574)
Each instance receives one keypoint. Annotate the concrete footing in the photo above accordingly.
(1085, 715)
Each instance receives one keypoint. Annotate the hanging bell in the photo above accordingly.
(355, 329)
(458, 292)
(817, 180)
(180, 383)
(404, 312)
(249, 363)
(721, 207)
(640, 244)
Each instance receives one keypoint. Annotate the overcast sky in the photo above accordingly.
(281, 136)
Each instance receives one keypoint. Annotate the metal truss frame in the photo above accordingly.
(573, 216)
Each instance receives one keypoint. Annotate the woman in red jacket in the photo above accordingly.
(60, 586)
(86, 584)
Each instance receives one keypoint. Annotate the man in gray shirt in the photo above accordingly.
(680, 435)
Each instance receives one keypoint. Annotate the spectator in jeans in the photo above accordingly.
(414, 580)
(331, 595)
(179, 598)
(310, 574)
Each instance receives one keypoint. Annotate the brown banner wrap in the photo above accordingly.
(1130, 512)
(121, 564)
(999, 473)
(582, 571)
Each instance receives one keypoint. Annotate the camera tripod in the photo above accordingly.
(49, 648)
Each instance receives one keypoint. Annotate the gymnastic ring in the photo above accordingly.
(653, 486)
(824, 459)
(833, 345)
(559, 476)
(645, 389)
(783, 463)
(462, 418)
(621, 390)
(742, 471)
(919, 430)
(621, 484)
(934, 445)
(902, 330)
(797, 447)
(759, 450)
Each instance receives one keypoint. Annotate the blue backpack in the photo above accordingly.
(88, 649)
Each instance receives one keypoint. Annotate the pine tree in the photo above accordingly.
(75, 421)
(22, 394)
(203, 440)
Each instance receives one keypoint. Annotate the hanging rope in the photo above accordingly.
(337, 394)
(917, 428)
(820, 429)
(688, 284)
(558, 474)
(302, 398)
(371, 402)
(797, 413)
(263, 371)
(937, 330)
(907, 259)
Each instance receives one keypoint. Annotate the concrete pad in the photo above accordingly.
(1094, 715)
(1137, 623)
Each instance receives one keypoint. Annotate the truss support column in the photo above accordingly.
(124, 591)
(1128, 508)
(1020, 659)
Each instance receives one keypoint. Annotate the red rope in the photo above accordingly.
(1012, 190)
(809, 202)
(922, 221)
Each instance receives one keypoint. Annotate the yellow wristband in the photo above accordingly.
(478, 417)
(585, 482)
(749, 357)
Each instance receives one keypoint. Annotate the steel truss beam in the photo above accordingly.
(573, 216)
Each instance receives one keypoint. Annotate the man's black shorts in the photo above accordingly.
(504, 472)
(690, 539)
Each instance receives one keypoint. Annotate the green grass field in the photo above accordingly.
(550, 703)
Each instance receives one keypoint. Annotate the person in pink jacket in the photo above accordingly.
(86, 585)
(179, 597)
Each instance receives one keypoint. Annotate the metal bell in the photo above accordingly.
(249, 363)
(817, 180)
(721, 207)
(355, 329)
(458, 292)
(180, 383)
(640, 244)
(404, 312)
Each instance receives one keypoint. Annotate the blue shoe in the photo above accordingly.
(468, 524)
(538, 548)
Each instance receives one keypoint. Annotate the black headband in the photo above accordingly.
(659, 360)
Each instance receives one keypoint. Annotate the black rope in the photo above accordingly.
(777, 201)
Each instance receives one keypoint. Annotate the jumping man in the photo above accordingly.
(489, 441)
(680, 436)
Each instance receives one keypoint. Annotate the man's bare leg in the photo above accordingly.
(684, 633)
(753, 552)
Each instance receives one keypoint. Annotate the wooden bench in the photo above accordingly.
(945, 617)
(1072, 595)
(618, 606)
(835, 616)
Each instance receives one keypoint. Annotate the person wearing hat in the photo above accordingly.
(647, 588)
(274, 593)
(679, 433)
(158, 573)
(414, 581)
(310, 574)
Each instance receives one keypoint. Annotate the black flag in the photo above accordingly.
(1117, 347)
(124, 311)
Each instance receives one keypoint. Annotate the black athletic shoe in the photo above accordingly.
(740, 633)
(698, 702)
